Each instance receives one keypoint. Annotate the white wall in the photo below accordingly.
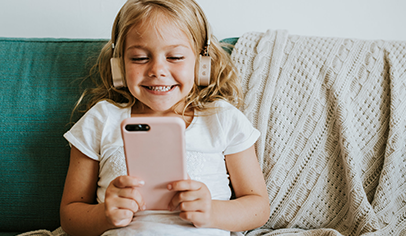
(365, 19)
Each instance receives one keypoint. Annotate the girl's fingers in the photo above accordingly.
(196, 212)
(193, 199)
(122, 200)
(124, 187)
(195, 206)
(133, 194)
(188, 196)
(198, 219)
(191, 196)
(124, 203)
(186, 191)
(120, 217)
(126, 181)
(173, 204)
(120, 211)
(185, 185)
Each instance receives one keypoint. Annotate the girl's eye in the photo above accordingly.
(176, 58)
(139, 59)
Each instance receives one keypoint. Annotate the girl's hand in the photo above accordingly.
(123, 200)
(193, 199)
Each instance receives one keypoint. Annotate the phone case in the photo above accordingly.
(155, 152)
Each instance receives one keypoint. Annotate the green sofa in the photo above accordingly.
(331, 112)
(41, 79)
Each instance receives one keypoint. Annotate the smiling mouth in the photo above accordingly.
(160, 88)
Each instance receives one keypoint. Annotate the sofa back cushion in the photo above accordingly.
(40, 83)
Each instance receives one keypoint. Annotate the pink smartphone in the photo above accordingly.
(154, 148)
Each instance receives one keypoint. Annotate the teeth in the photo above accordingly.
(160, 88)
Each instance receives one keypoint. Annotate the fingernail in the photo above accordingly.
(141, 182)
(170, 186)
(143, 208)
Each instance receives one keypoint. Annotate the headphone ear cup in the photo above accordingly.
(203, 71)
(116, 73)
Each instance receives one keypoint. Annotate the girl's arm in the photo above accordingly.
(249, 210)
(80, 214)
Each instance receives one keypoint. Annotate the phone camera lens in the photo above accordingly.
(137, 127)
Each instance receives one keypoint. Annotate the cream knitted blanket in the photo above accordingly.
(332, 113)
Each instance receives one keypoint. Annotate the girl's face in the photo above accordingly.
(160, 67)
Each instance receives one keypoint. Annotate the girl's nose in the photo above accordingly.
(158, 68)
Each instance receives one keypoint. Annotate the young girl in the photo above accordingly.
(158, 44)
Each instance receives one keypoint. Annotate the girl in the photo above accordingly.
(158, 44)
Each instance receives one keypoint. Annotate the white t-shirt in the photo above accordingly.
(208, 139)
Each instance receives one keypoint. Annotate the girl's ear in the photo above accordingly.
(116, 75)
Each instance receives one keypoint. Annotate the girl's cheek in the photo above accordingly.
(132, 74)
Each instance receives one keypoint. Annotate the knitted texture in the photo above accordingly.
(332, 112)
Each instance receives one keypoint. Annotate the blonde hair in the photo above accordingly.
(189, 17)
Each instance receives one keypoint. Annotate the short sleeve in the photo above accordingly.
(239, 133)
(86, 134)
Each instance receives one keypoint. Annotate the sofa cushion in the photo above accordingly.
(40, 81)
